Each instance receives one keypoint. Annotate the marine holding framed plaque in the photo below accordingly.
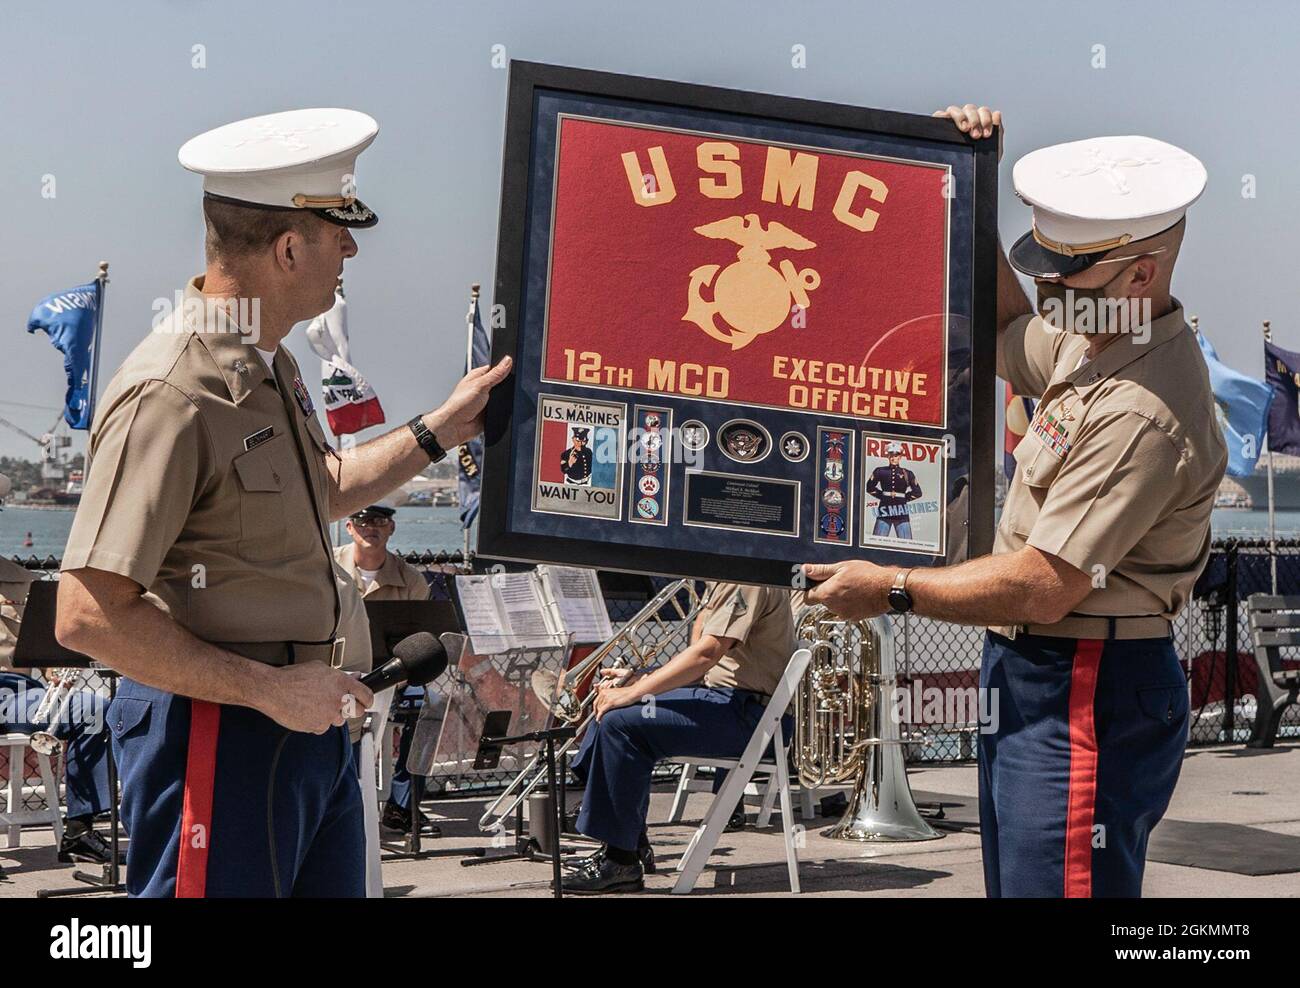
(748, 331)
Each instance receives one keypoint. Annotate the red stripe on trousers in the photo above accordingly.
(1082, 803)
(196, 818)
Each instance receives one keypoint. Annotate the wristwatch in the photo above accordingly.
(899, 599)
(428, 442)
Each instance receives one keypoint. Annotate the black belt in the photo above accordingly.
(289, 653)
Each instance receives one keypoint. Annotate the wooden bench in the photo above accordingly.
(1274, 625)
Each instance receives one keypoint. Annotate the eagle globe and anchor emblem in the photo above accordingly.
(751, 295)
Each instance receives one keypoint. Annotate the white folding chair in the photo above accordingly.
(739, 772)
(376, 720)
(691, 781)
(15, 815)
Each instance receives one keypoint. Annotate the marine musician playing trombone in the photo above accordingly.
(705, 701)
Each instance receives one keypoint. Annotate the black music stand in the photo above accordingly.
(393, 620)
(37, 648)
(528, 847)
(390, 622)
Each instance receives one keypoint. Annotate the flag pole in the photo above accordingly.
(469, 359)
(102, 279)
(1272, 516)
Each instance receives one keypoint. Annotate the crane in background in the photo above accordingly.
(57, 486)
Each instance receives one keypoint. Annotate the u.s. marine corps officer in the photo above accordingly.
(199, 564)
(1105, 528)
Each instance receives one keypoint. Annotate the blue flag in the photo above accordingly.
(1282, 371)
(69, 319)
(1241, 408)
(471, 453)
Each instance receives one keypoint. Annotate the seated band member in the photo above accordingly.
(81, 728)
(383, 575)
(705, 701)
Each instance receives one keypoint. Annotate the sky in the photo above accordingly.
(100, 96)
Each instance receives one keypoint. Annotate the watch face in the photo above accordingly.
(899, 599)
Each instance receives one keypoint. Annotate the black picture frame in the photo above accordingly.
(499, 540)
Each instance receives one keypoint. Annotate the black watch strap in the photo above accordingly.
(427, 440)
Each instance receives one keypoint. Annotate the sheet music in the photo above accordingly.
(487, 626)
(581, 604)
(525, 612)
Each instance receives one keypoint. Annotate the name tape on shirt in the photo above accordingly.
(257, 438)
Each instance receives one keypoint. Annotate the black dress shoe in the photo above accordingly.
(647, 855)
(597, 874)
(87, 846)
(399, 818)
(737, 821)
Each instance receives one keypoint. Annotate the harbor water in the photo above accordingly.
(421, 528)
(418, 529)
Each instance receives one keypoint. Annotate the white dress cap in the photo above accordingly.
(298, 159)
(1092, 196)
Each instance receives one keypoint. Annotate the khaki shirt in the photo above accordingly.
(208, 486)
(396, 580)
(1118, 471)
(760, 621)
(14, 584)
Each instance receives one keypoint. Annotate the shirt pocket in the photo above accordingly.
(263, 473)
(1037, 468)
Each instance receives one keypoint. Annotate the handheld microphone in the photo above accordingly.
(417, 659)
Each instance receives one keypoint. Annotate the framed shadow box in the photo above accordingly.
(749, 331)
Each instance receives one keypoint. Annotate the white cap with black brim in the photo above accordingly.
(1090, 197)
(298, 159)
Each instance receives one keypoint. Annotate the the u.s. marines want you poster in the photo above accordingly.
(763, 301)
(578, 467)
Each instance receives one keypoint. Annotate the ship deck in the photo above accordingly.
(1232, 830)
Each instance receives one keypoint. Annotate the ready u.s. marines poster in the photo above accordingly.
(898, 513)
(717, 317)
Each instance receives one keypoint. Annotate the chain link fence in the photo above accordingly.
(940, 660)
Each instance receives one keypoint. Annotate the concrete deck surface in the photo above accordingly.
(1229, 785)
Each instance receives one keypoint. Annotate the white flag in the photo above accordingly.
(350, 403)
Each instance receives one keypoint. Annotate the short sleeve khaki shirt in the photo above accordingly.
(759, 619)
(208, 484)
(15, 581)
(396, 580)
(1118, 471)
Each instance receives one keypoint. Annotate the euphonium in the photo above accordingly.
(845, 729)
